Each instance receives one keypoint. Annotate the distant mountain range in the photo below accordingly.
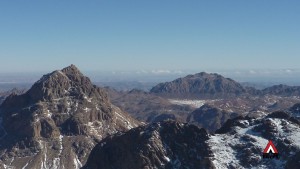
(214, 86)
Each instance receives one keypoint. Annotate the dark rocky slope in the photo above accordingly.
(162, 145)
(209, 117)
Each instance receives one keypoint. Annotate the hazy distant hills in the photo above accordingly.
(214, 86)
(200, 85)
(282, 90)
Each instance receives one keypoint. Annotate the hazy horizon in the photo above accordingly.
(255, 76)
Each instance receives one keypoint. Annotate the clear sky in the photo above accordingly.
(44, 35)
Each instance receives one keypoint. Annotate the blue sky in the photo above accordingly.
(97, 35)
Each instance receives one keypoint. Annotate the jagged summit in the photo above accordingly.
(60, 83)
(61, 104)
(71, 72)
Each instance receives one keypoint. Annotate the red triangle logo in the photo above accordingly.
(270, 147)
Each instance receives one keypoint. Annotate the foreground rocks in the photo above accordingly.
(166, 145)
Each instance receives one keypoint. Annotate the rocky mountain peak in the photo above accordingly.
(72, 72)
(61, 83)
(61, 104)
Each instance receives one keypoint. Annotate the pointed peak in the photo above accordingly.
(71, 70)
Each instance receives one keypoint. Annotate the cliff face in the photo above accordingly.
(56, 123)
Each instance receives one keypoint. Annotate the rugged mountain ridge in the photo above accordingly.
(238, 144)
(161, 145)
(56, 123)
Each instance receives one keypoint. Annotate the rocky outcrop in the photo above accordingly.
(295, 110)
(56, 123)
(209, 117)
(161, 145)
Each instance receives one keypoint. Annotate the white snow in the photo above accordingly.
(60, 72)
(96, 128)
(86, 109)
(36, 120)
(88, 99)
(49, 114)
(124, 120)
(193, 103)
(68, 110)
(60, 144)
(222, 144)
(25, 165)
(58, 99)
(76, 106)
(77, 163)
(167, 158)
(44, 159)
(55, 163)
(223, 153)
